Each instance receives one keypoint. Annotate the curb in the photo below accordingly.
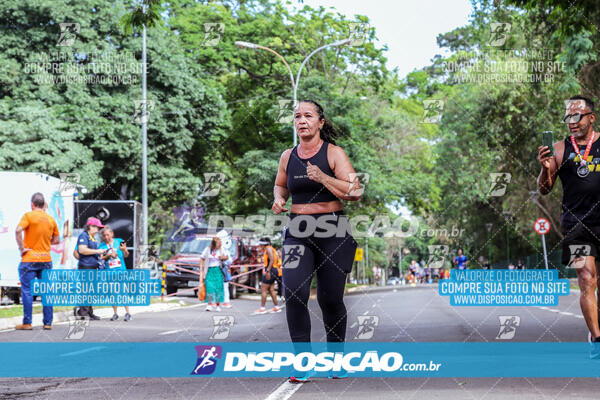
(64, 316)
(368, 289)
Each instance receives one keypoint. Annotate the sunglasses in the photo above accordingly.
(574, 118)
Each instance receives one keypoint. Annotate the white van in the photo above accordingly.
(16, 201)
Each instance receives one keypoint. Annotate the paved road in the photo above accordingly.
(417, 314)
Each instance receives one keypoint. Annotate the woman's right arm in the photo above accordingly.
(201, 269)
(280, 190)
(86, 251)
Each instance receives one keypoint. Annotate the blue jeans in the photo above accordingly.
(28, 271)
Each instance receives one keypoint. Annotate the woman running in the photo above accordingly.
(318, 175)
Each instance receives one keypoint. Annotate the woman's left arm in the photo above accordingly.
(123, 248)
(345, 185)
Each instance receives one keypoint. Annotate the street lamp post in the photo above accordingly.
(507, 217)
(489, 226)
(295, 83)
(144, 141)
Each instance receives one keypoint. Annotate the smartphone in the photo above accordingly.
(548, 140)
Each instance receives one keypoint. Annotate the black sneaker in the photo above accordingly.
(94, 317)
(114, 317)
(127, 317)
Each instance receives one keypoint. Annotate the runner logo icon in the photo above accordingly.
(437, 255)
(508, 326)
(578, 252)
(207, 359)
(366, 326)
(500, 181)
(291, 255)
(221, 326)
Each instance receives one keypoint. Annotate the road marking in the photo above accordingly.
(285, 391)
(554, 310)
(74, 353)
(171, 332)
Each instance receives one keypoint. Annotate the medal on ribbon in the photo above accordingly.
(583, 170)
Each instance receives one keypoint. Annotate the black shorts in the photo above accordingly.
(269, 281)
(580, 240)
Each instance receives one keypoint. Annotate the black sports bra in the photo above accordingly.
(303, 189)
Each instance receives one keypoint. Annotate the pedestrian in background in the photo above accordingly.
(90, 257)
(269, 276)
(426, 274)
(461, 260)
(413, 269)
(35, 233)
(212, 276)
(226, 244)
(116, 254)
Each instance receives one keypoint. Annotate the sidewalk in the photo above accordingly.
(106, 312)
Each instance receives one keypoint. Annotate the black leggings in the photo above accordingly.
(316, 255)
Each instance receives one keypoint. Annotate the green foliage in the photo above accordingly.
(222, 109)
(87, 123)
(495, 127)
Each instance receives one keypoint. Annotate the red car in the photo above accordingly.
(188, 257)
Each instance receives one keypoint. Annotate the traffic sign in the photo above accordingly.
(359, 254)
(542, 226)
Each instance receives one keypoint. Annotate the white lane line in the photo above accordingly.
(171, 332)
(75, 353)
(366, 312)
(554, 310)
(285, 391)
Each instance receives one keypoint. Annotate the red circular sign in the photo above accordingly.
(542, 226)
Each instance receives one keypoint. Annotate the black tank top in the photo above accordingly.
(302, 189)
(581, 196)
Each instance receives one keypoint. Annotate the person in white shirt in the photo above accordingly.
(212, 276)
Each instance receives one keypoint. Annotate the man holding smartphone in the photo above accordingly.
(575, 161)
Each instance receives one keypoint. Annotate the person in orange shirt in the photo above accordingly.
(269, 274)
(40, 231)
